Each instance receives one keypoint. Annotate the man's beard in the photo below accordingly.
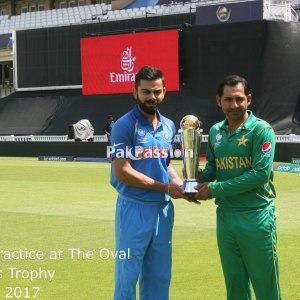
(147, 109)
(237, 114)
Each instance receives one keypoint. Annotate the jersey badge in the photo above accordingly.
(242, 141)
(166, 136)
(219, 137)
(141, 132)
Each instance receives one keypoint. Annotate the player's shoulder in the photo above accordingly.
(128, 118)
(261, 126)
(169, 123)
(216, 127)
(125, 123)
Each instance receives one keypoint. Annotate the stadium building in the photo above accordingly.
(46, 79)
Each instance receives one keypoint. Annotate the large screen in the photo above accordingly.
(109, 63)
(124, 4)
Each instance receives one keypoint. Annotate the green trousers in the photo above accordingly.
(247, 247)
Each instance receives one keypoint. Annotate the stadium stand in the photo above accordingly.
(88, 13)
(274, 10)
(296, 7)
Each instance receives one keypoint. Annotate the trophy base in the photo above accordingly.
(189, 186)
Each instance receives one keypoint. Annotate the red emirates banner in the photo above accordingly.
(109, 63)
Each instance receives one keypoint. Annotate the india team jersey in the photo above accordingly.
(241, 163)
(134, 138)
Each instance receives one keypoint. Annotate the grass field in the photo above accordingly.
(52, 206)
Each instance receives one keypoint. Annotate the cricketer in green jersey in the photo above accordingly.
(239, 175)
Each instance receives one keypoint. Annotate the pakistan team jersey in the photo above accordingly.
(241, 163)
(133, 137)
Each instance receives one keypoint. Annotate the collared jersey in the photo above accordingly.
(241, 163)
(148, 149)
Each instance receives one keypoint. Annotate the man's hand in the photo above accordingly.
(191, 198)
(175, 191)
(200, 175)
(203, 191)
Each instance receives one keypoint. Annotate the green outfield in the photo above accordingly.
(53, 207)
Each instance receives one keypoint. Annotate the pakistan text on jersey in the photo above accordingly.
(231, 162)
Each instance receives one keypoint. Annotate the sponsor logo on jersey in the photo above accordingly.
(266, 148)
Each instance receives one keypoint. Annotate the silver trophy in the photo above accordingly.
(190, 140)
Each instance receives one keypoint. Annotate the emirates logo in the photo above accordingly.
(127, 66)
(127, 60)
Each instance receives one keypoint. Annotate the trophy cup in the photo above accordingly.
(190, 140)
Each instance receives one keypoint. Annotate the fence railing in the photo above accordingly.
(6, 90)
(103, 138)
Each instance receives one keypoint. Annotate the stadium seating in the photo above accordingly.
(84, 14)
(103, 12)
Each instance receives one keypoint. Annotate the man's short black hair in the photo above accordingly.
(148, 73)
(233, 80)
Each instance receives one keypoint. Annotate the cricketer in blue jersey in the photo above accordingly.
(145, 180)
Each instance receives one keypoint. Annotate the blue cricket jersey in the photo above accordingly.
(133, 137)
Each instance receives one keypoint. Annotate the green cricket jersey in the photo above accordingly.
(240, 164)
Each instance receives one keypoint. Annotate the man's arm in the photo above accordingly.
(125, 173)
(173, 176)
(262, 165)
(105, 129)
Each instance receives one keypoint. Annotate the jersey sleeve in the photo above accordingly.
(209, 171)
(262, 165)
(121, 139)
